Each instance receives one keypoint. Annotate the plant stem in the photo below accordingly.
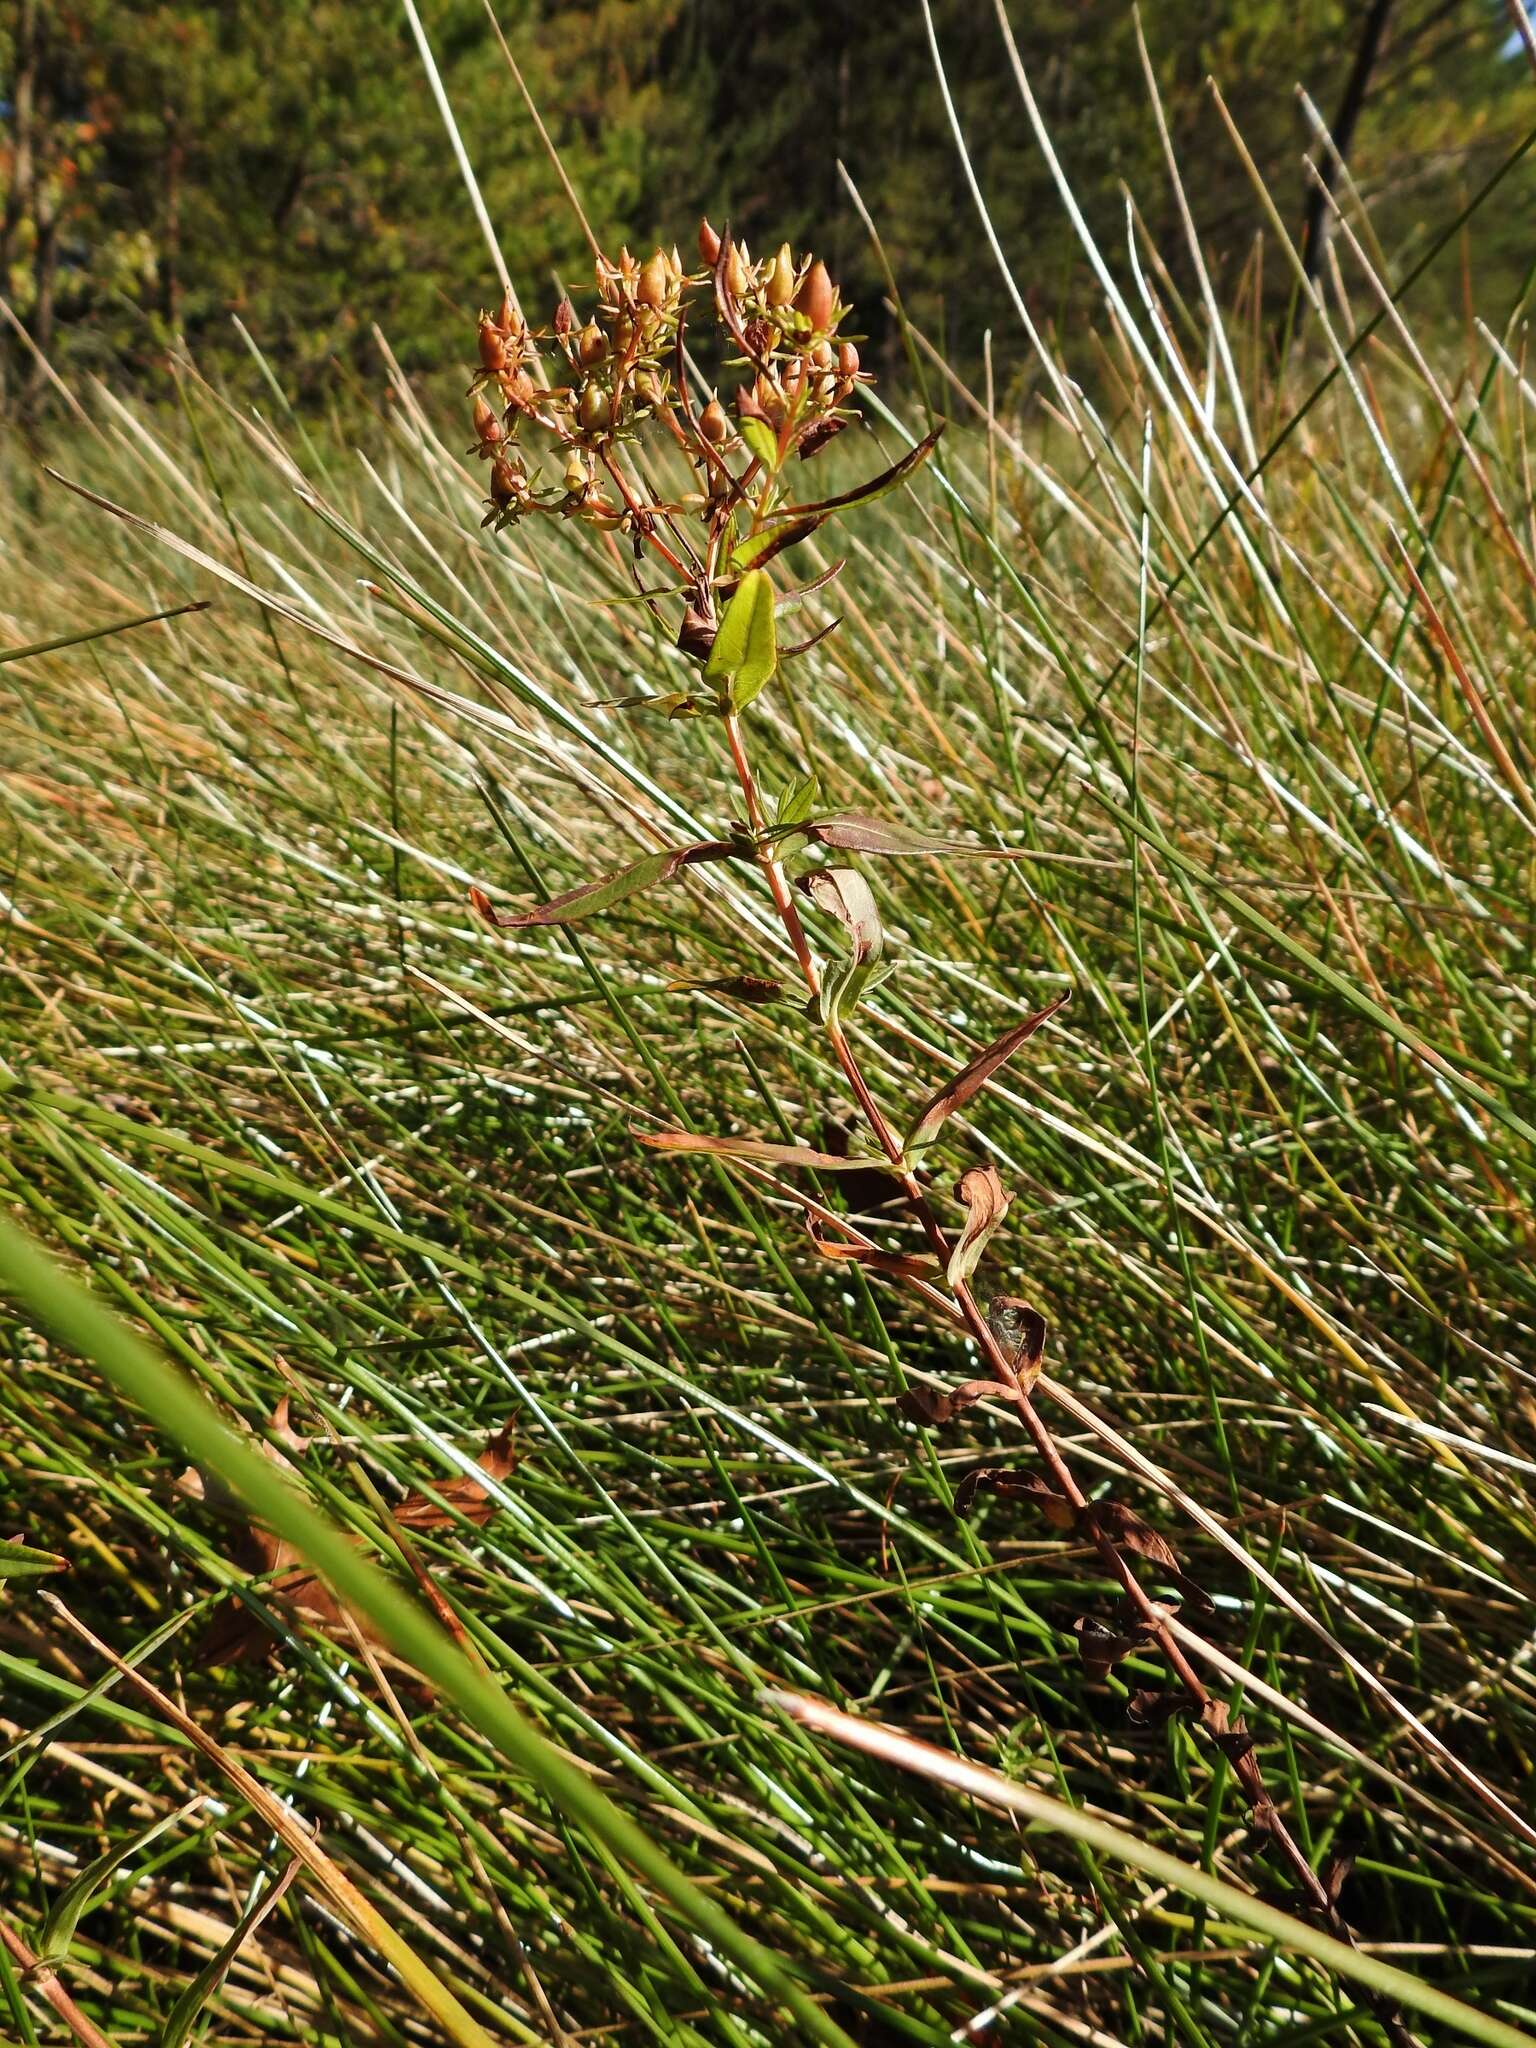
(1150, 1613)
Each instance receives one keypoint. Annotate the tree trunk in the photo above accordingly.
(1315, 241)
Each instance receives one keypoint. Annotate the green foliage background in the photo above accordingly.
(284, 162)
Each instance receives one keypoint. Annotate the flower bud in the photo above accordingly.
(652, 288)
(713, 424)
(565, 318)
(779, 288)
(591, 345)
(709, 244)
(595, 410)
(817, 298)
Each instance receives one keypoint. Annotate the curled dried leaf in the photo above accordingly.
(898, 1265)
(756, 989)
(1150, 1707)
(1102, 1647)
(844, 894)
(1056, 1508)
(1020, 1333)
(986, 1202)
(936, 1407)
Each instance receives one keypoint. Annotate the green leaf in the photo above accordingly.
(21, 1561)
(746, 646)
(589, 898)
(75, 1317)
(82, 1892)
(864, 494)
(797, 800)
(760, 438)
(770, 541)
(187, 2009)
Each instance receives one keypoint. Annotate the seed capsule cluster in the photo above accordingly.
(588, 386)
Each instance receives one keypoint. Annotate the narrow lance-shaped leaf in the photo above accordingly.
(898, 1265)
(82, 1892)
(877, 486)
(188, 2008)
(589, 898)
(758, 549)
(986, 1201)
(745, 652)
(763, 1151)
(760, 438)
(971, 1079)
(858, 832)
(21, 1561)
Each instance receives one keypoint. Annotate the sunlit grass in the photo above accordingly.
(324, 1137)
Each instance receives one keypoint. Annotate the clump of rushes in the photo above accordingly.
(590, 389)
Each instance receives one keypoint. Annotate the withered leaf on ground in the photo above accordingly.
(236, 1632)
(972, 1078)
(986, 1201)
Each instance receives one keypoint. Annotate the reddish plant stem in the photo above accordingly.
(997, 1362)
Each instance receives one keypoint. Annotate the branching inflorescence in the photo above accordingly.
(593, 391)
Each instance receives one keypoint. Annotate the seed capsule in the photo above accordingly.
(709, 244)
(504, 482)
(713, 424)
(652, 289)
(487, 426)
(780, 286)
(493, 348)
(847, 360)
(595, 410)
(817, 297)
(592, 345)
(575, 478)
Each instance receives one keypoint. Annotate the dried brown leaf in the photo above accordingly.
(1020, 1333)
(972, 1078)
(763, 1150)
(844, 894)
(936, 1407)
(986, 1202)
